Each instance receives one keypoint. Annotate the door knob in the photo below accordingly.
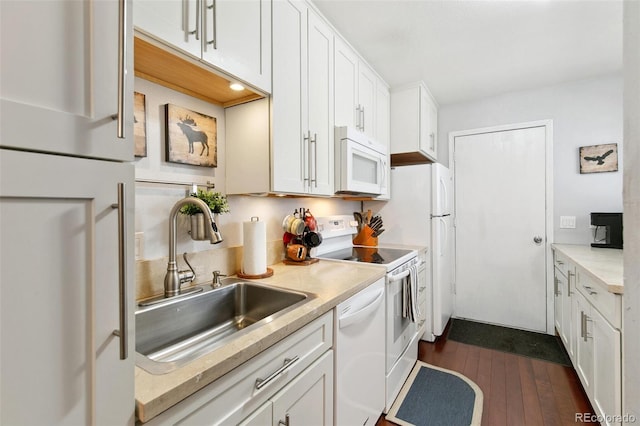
(537, 239)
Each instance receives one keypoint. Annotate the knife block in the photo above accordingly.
(365, 237)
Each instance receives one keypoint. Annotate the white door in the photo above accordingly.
(308, 399)
(237, 38)
(320, 110)
(500, 207)
(59, 83)
(59, 301)
(289, 118)
(346, 79)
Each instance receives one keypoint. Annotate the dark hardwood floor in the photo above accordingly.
(517, 390)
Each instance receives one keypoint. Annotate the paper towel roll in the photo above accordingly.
(254, 260)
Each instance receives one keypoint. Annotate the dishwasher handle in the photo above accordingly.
(351, 318)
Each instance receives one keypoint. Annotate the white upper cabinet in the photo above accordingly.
(414, 125)
(60, 85)
(361, 98)
(302, 133)
(234, 36)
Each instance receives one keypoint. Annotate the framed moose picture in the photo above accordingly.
(191, 137)
(599, 158)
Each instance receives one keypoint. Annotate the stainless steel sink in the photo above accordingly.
(175, 332)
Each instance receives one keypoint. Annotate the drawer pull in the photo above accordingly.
(569, 292)
(590, 290)
(559, 262)
(288, 362)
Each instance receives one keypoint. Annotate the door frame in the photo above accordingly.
(549, 226)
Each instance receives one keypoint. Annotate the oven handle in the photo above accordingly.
(347, 320)
(400, 276)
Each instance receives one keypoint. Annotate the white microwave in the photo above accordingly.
(361, 163)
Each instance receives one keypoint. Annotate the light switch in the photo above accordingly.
(567, 222)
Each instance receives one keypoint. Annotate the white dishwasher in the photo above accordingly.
(360, 357)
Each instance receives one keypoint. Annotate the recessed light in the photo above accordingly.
(236, 86)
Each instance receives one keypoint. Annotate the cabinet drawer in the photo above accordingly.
(235, 395)
(608, 304)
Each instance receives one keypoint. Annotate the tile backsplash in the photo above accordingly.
(150, 273)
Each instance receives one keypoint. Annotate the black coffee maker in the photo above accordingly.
(612, 224)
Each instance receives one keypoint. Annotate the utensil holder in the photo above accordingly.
(365, 237)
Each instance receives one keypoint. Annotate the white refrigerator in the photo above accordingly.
(420, 212)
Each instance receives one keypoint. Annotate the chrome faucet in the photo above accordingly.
(173, 279)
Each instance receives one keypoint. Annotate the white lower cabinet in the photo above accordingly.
(591, 334)
(307, 400)
(292, 378)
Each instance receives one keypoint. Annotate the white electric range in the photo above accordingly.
(401, 333)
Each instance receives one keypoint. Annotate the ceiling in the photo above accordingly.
(466, 50)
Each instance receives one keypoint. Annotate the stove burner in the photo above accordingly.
(377, 255)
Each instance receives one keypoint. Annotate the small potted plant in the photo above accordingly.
(217, 203)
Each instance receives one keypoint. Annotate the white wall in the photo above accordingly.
(584, 113)
(631, 299)
(153, 202)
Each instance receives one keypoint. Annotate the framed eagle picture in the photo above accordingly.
(191, 137)
(599, 158)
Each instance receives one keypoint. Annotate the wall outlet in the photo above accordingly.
(139, 245)
(567, 222)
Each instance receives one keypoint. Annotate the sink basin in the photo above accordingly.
(175, 332)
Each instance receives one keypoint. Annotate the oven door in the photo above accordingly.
(400, 330)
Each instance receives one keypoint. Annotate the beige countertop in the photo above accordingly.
(331, 281)
(602, 264)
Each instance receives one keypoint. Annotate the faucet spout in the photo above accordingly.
(172, 281)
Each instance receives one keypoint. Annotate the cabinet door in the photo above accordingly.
(433, 125)
(428, 117)
(60, 301)
(290, 159)
(346, 84)
(568, 331)
(583, 351)
(607, 373)
(559, 285)
(175, 22)
(263, 416)
(308, 399)
(237, 38)
(59, 84)
(382, 114)
(367, 98)
(320, 106)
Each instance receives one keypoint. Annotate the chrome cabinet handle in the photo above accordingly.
(537, 239)
(196, 32)
(122, 63)
(214, 11)
(122, 271)
(315, 159)
(590, 290)
(363, 123)
(286, 421)
(559, 262)
(358, 118)
(569, 292)
(555, 286)
(288, 362)
(305, 146)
